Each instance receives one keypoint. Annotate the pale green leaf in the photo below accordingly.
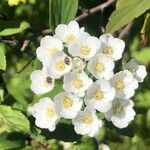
(13, 120)
(2, 57)
(10, 28)
(126, 11)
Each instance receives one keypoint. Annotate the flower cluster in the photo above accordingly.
(86, 65)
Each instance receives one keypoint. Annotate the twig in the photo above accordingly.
(94, 10)
(125, 30)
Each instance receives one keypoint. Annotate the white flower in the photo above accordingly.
(138, 71)
(121, 113)
(77, 64)
(48, 47)
(103, 147)
(99, 95)
(110, 46)
(84, 47)
(101, 66)
(41, 82)
(60, 64)
(67, 105)
(76, 83)
(86, 122)
(68, 33)
(45, 114)
(124, 84)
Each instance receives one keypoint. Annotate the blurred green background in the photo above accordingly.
(25, 23)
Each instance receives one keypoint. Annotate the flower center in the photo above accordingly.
(117, 109)
(77, 83)
(69, 38)
(99, 67)
(85, 50)
(98, 94)
(53, 50)
(50, 112)
(119, 85)
(107, 50)
(88, 119)
(67, 102)
(60, 65)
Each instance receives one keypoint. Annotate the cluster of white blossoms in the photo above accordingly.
(85, 65)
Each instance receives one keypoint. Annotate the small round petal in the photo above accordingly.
(84, 48)
(67, 105)
(45, 114)
(60, 64)
(121, 112)
(124, 84)
(100, 95)
(76, 83)
(138, 71)
(41, 82)
(49, 46)
(101, 66)
(86, 122)
(110, 46)
(68, 33)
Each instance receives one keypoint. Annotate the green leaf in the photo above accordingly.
(68, 10)
(2, 57)
(19, 88)
(61, 11)
(8, 28)
(1, 95)
(126, 11)
(86, 144)
(37, 65)
(13, 120)
(8, 143)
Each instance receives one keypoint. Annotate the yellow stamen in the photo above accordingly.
(99, 67)
(53, 50)
(50, 112)
(60, 65)
(70, 38)
(98, 94)
(77, 83)
(67, 102)
(119, 85)
(108, 50)
(88, 119)
(117, 109)
(85, 50)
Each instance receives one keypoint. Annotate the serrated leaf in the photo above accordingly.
(68, 10)
(2, 57)
(10, 27)
(13, 120)
(126, 11)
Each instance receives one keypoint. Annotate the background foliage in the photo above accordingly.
(21, 28)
